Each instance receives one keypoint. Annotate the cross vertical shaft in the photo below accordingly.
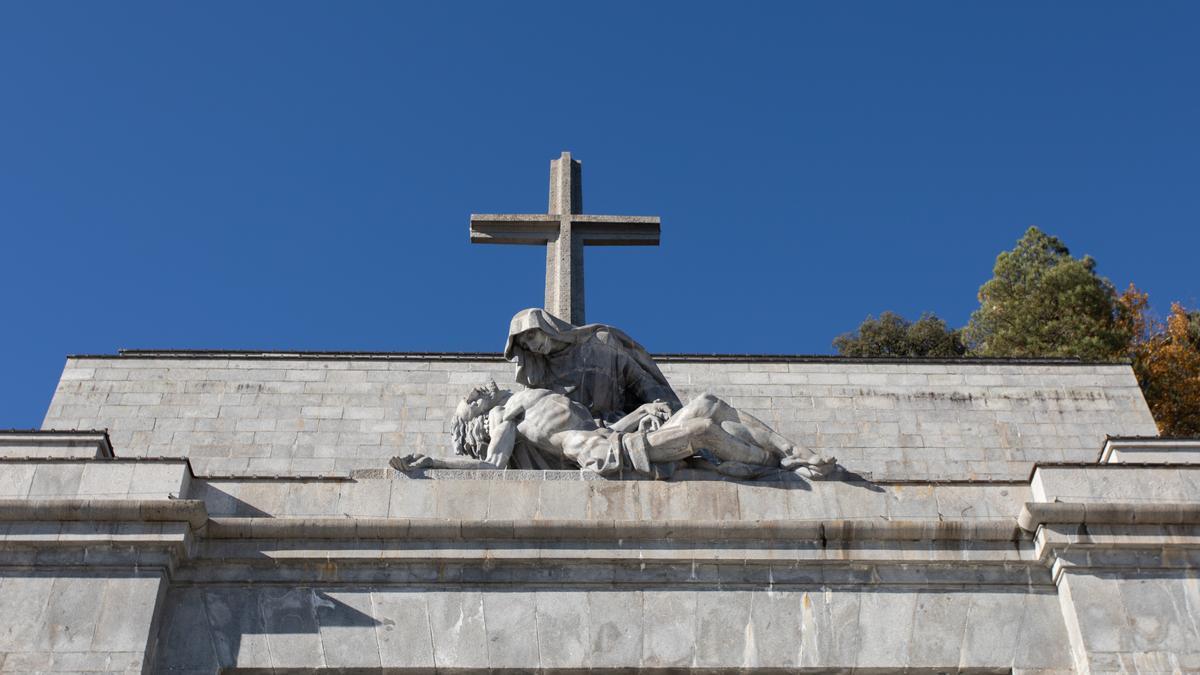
(564, 255)
(566, 186)
(564, 230)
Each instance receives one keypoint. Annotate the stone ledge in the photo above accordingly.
(1034, 514)
(1150, 450)
(498, 357)
(445, 529)
(191, 511)
(611, 570)
(778, 477)
(118, 479)
(1115, 483)
(55, 444)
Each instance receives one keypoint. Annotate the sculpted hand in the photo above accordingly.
(812, 466)
(660, 409)
(649, 423)
(410, 462)
(656, 413)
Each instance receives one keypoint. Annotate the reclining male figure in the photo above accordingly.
(489, 422)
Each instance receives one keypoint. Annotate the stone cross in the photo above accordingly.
(565, 230)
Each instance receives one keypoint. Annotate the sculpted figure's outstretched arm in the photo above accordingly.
(418, 461)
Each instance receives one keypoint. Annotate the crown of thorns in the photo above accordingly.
(490, 390)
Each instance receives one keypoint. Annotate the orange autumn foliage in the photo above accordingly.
(1166, 360)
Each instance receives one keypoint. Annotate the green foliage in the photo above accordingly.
(1043, 302)
(893, 335)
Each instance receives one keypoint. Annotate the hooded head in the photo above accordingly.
(534, 334)
(536, 322)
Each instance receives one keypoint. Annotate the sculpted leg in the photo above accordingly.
(742, 437)
(733, 448)
(743, 426)
(704, 432)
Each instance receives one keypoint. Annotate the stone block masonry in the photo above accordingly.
(240, 414)
(224, 512)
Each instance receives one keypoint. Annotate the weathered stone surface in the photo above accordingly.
(347, 629)
(725, 635)
(534, 500)
(243, 642)
(185, 640)
(1115, 483)
(512, 635)
(290, 620)
(25, 598)
(563, 629)
(125, 622)
(69, 618)
(630, 628)
(829, 628)
(456, 622)
(403, 631)
(614, 629)
(668, 628)
(110, 479)
(1148, 622)
(901, 420)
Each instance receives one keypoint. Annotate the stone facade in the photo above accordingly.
(272, 414)
(238, 515)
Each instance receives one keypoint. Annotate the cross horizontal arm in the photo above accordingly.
(616, 230)
(538, 228)
(535, 228)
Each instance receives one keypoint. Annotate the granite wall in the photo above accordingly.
(269, 415)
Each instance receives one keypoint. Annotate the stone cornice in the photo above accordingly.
(55, 444)
(1034, 514)
(191, 511)
(444, 529)
(497, 357)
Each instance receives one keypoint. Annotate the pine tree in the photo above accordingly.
(1043, 302)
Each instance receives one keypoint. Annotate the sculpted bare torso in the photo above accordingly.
(542, 418)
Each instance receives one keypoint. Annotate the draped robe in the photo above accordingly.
(600, 367)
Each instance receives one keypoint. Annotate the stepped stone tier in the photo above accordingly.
(208, 512)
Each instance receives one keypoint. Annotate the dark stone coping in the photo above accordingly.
(497, 357)
(449, 529)
(50, 436)
(55, 432)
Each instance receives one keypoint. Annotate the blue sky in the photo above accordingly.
(288, 175)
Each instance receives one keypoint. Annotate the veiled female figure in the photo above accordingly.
(597, 366)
